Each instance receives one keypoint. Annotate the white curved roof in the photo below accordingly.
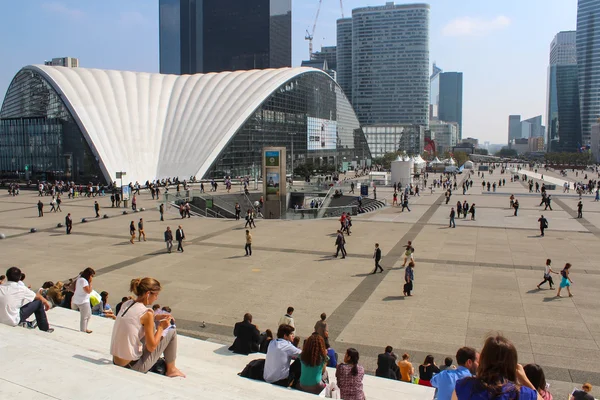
(156, 126)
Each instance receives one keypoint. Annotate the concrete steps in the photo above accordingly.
(68, 364)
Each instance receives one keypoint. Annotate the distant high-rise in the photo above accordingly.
(446, 97)
(69, 62)
(390, 63)
(563, 118)
(588, 62)
(327, 53)
(201, 36)
(514, 127)
(344, 55)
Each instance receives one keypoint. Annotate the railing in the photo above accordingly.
(325, 203)
(323, 212)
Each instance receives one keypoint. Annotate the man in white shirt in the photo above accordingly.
(17, 303)
(287, 319)
(279, 355)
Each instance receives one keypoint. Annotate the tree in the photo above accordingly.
(506, 152)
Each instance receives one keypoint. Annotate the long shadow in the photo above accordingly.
(232, 257)
(535, 236)
(393, 298)
(326, 258)
(549, 299)
(362, 275)
(100, 361)
(533, 291)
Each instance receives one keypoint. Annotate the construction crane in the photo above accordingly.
(342, 7)
(310, 35)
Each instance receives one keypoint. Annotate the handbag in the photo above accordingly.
(332, 391)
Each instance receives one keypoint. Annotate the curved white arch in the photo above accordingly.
(156, 126)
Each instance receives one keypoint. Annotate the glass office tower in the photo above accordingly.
(201, 36)
(390, 64)
(588, 48)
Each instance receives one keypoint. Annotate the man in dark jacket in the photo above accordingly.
(340, 243)
(377, 257)
(247, 336)
(179, 236)
(386, 365)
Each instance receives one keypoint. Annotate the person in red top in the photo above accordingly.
(342, 221)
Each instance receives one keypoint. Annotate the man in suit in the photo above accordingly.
(97, 208)
(377, 257)
(386, 365)
(179, 236)
(340, 243)
(247, 336)
(69, 223)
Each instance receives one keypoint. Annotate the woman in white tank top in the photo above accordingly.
(135, 343)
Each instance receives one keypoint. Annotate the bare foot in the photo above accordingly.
(174, 372)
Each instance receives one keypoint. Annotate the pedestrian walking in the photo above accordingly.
(69, 223)
(97, 208)
(248, 246)
(395, 199)
(169, 239)
(340, 243)
(161, 210)
(543, 224)
(516, 207)
(238, 210)
(472, 211)
(131, 232)
(465, 209)
(452, 215)
(565, 280)
(134, 203)
(40, 207)
(352, 187)
(377, 257)
(112, 200)
(179, 236)
(580, 209)
(141, 231)
(408, 253)
(405, 204)
(548, 203)
(547, 275)
(409, 276)
(53, 204)
(58, 201)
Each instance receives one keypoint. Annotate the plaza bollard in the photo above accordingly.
(2, 236)
(142, 209)
(33, 230)
(124, 212)
(105, 216)
(59, 225)
(83, 220)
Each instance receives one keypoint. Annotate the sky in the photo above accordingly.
(502, 47)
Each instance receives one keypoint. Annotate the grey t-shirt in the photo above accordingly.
(582, 395)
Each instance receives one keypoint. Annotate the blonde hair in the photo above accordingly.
(141, 286)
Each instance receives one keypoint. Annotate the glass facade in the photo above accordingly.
(588, 60)
(390, 64)
(283, 118)
(392, 138)
(38, 133)
(564, 119)
(201, 36)
(450, 98)
(344, 55)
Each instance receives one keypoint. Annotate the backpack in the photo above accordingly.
(69, 285)
(254, 370)
(545, 223)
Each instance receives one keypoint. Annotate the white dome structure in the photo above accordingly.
(156, 126)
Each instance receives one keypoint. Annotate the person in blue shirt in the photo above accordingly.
(467, 359)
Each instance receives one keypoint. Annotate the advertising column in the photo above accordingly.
(274, 181)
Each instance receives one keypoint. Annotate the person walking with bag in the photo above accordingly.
(547, 277)
(248, 246)
(565, 280)
(179, 236)
(543, 224)
(409, 277)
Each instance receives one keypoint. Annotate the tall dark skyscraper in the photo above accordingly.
(563, 116)
(201, 36)
(446, 95)
(588, 63)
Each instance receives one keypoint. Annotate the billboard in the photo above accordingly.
(272, 182)
(321, 134)
(272, 158)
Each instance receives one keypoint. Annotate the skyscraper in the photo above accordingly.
(390, 64)
(563, 118)
(201, 36)
(344, 55)
(588, 62)
(514, 127)
(446, 97)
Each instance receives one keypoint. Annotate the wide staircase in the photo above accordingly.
(68, 364)
(368, 204)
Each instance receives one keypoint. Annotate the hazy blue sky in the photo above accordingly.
(500, 46)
